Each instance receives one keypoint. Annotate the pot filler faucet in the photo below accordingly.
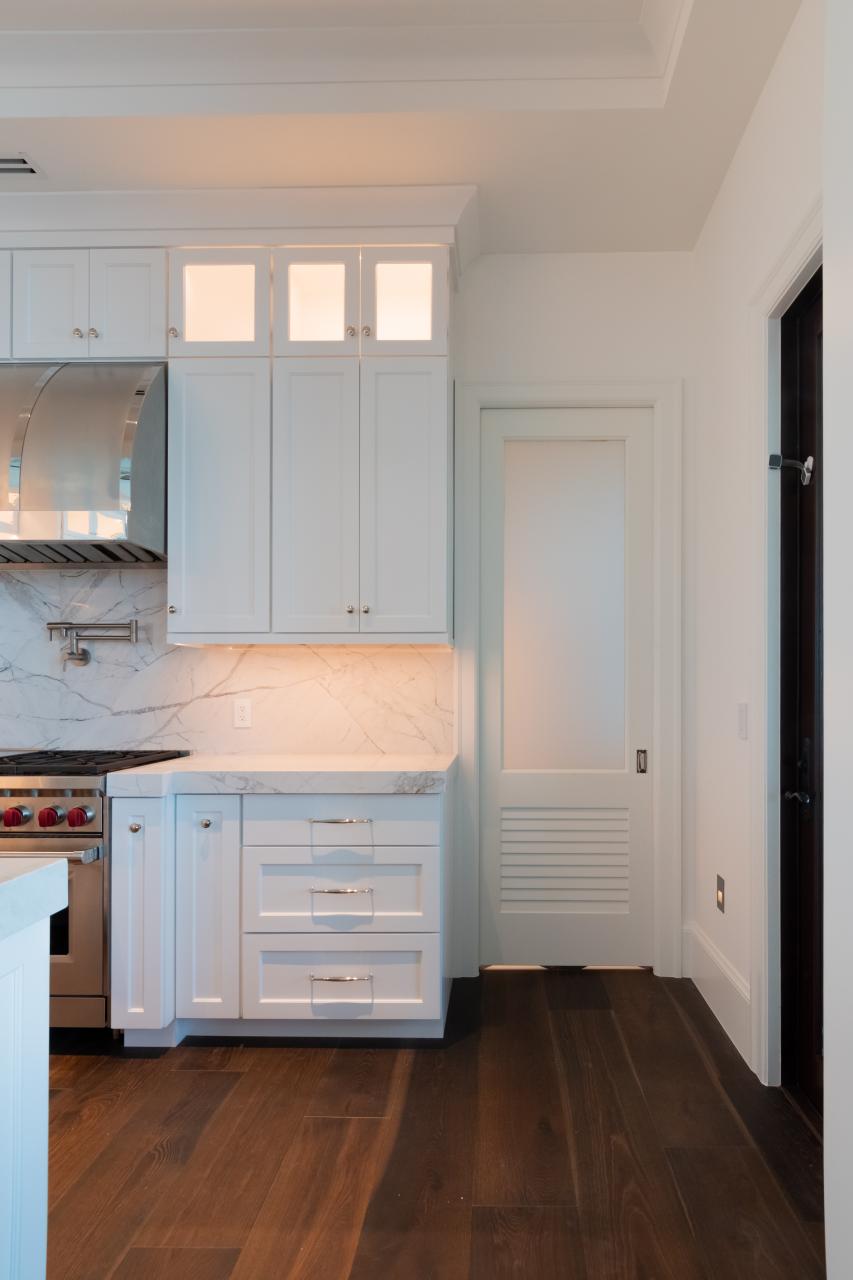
(74, 632)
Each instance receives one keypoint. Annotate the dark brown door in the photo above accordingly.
(802, 700)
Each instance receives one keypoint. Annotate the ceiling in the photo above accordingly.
(576, 140)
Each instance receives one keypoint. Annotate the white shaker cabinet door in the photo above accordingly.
(128, 304)
(142, 874)
(5, 304)
(219, 496)
(207, 914)
(315, 482)
(50, 304)
(317, 306)
(404, 494)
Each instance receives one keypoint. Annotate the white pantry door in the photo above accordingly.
(567, 671)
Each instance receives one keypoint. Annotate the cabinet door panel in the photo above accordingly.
(50, 304)
(5, 304)
(315, 482)
(316, 302)
(219, 495)
(142, 868)
(219, 302)
(207, 912)
(404, 495)
(128, 303)
(405, 302)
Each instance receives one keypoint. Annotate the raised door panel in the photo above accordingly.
(404, 495)
(219, 302)
(315, 482)
(128, 304)
(50, 304)
(405, 302)
(5, 304)
(219, 496)
(142, 963)
(207, 914)
(317, 306)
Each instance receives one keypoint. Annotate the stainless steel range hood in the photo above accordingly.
(82, 463)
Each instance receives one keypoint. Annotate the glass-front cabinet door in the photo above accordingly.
(219, 302)
(317, 306)
(404, 301)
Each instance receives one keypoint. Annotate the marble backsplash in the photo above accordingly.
(304, 698)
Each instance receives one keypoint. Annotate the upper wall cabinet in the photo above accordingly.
(83, 304)
(334, 302)
(219, 302)
(318, 309)
(5, 304)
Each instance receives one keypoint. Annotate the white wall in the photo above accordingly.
(838, 671)
(770, 193)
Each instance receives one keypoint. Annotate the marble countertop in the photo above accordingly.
(287, 775)
(30, 890)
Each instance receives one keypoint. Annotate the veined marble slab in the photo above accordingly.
(286, 775)
(30, 890)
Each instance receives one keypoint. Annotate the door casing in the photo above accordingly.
(665, 401)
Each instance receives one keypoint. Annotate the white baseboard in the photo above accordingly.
(724, 989)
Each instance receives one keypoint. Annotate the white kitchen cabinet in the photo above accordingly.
(219, 302)
(79, 304)
(404, 495)
(127, 304)
(317, 303)
(404, 301)
(142, 949)
(5, 304)
(50, 304)
(315, 483)
(208, 907)
(219, 496)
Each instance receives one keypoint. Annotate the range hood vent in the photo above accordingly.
(82, 464)
(16, 164)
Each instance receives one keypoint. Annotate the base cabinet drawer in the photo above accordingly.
(361, 978)
(327, 821)
(297, 889)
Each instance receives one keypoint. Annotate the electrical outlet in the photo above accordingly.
(721, 894)
(242, 713)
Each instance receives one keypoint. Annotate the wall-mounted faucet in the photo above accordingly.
(74, 632)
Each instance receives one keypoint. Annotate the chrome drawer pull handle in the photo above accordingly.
(338, 822)
(358, 977)
(345, 891)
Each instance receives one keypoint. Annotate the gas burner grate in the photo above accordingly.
(79, 763)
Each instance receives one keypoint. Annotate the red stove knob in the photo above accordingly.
(17, 815)
(51, 816)
(80, 815)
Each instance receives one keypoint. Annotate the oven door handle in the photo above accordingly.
(85, 856)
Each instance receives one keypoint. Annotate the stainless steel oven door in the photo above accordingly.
(77, 932)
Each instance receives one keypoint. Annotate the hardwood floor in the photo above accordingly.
(572, 1126)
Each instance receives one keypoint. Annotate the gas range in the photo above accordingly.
(53, 804)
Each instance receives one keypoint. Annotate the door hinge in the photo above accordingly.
(642, 761)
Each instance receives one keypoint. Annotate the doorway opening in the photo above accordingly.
(801, 705)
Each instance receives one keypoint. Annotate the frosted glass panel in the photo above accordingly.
(219, 302)
(317, 294)
(404, 301)
(564, 605)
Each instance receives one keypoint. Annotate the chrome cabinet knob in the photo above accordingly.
(93, 333)
(77, 333)
(135, 826)
(351, 331)
(365, 608)
(350, 608)
(173, 333)
(366, 331)
(206, 822)
(173, 608)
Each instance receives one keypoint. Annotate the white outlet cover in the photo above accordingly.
(242, 713)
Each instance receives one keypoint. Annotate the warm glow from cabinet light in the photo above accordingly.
(403, 301)
(219, 302)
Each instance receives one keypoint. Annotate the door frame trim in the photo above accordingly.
(785, 282)
(665, 401)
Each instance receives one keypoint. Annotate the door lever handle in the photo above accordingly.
(801, 797)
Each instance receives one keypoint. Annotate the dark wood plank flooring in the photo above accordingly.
(573, 1126)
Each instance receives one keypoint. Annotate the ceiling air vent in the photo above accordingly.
(16, 164)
